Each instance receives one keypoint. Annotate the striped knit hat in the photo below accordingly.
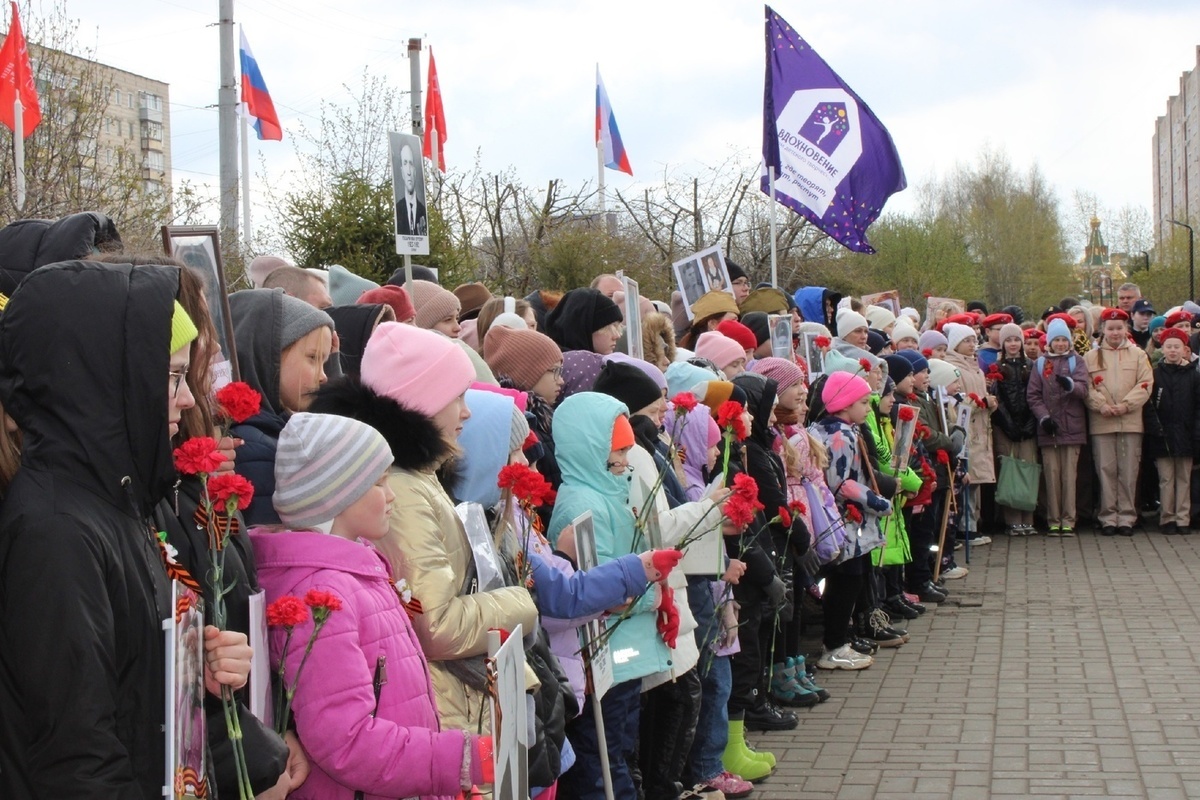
(324, 463)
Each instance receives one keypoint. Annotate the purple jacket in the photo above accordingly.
(400, 750)
(1065, 406)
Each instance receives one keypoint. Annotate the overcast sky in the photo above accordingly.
(1072, 85)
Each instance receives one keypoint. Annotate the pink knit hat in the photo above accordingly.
(785, 373)
(843, 390)
(419, 369)
(719, 349)
(714, 431)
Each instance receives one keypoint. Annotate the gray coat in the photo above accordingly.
(1065, 406)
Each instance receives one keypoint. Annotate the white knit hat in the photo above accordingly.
(904, 330)
(880, 317)
(955, 334)
(849, 321)
(941, 374)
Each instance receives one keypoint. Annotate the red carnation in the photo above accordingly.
(238, 401)
(922, 431)
(1097, 380)
(729, 418)
(865, 364)
(994, 373)
(785, 519)
(853, 514)
(684, 402)
(906, 414)
(927, 352)
(198, 456)
(534, 489)
(287, 612)
(1048, 370)
(230, 489)
(977, 400)
(822, 342)
(1145, 386)
(745, 487)
(943, 457)
(510, 475)
(317, 599)
(798, 507)
(741, 511)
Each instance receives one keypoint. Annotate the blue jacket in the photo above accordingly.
(583, 426)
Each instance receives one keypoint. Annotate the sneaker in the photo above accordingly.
(915, 606)
(845, 657)
(802, 677)
(702, 792)
(898, 609)
(955, 572)
(1055, 531)
(769, 717)
(1015, 530)
(730, 785)
(1066, 532)
(878, 631)
(976, 541)
(864, 646)
(931, 594)
(1030, 530)
(786, 689)
(958, 544)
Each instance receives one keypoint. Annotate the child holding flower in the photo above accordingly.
(363, 702)
(1119, 383)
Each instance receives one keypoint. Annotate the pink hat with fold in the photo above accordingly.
(719, 349)
(843, 390)
(419, 369)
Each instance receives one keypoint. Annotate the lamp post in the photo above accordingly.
(1191, 258)
(1147, 255)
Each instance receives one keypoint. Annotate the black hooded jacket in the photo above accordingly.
(258, 331)
(354, 326)
(579, 314)
(28, 244)
(83, 590)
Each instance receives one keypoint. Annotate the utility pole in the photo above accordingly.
(227, 127)
(418, 125)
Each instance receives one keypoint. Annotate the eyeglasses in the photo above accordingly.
(555, 371)
(176, 381)
(742, 282)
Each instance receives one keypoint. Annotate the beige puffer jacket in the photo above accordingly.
(1127, 380)
(980, 449)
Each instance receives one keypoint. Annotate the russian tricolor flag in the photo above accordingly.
(257, 98)
(607, 135)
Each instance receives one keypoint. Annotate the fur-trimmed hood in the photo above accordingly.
(658, 338)
(416, 442)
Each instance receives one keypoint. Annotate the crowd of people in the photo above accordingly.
(740, 497)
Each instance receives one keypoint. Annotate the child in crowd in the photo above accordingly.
(960, 354)
(1058, 387)
(1014, 424)
(282, 346)
(1172, 428)
(1119, 383)
(364, 706)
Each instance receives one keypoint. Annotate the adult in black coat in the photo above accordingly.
(84, 366)
(28, 244)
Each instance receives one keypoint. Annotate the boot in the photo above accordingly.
(739, 759)
(787, 689)
(804, 679)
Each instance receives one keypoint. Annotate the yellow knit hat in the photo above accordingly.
(183, 330)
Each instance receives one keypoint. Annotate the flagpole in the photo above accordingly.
(19, 148)
(774, 255)
(247, 232)
(600, 176)
(434, 185)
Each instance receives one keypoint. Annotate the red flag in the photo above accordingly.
(16, 75)
(435, 116)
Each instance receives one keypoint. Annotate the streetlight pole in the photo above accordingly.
(1191, 258)
(1147, 255)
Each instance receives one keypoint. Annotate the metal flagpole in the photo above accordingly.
(434, 186)
(227, 124)
(19, 147)
(414, 81)
(600, 176)
(247, 231)
(774, 256)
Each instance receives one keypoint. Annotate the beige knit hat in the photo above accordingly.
(433, 303)
(523, 356)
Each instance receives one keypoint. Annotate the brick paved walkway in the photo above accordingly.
(1059, 668)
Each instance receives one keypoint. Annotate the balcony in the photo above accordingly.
(150, 114)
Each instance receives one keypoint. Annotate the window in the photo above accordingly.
(152, 130)
(115, 98)
(154, 161)
(132, 131)
(151, 101)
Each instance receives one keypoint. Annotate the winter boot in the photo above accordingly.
(740, 759)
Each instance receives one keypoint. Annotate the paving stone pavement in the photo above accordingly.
(1059, 668)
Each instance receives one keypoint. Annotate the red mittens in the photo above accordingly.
(668, 617)
(664, 561)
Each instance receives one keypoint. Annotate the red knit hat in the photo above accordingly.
(394, 296)
(739, 333)
(523, 356)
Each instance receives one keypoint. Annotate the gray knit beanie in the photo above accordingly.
(323, 464)
(299, 320)
(519, 430)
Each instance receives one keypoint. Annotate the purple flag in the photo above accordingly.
(835, 163)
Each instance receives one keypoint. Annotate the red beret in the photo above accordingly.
(1178, 317)
(992, 320)
(1109, 314)
(1065, 317)
(739, 333)
(966, 318)
(1033, 333)
(1175, 333)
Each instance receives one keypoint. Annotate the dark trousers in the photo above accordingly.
(622, 707)
(843, 585)
(669, 715)
(922, 538)
(747, 663)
